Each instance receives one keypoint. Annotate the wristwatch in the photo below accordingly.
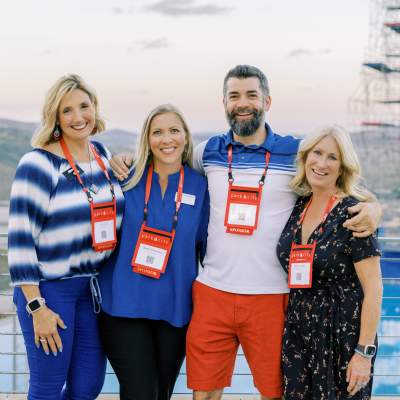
(368, 350)
(35, 305)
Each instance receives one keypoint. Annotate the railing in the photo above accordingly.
(14, 371)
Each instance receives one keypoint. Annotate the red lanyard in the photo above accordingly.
(262, 179)
(301, 257)
(178, 197)
(100, 162)
(327, 210)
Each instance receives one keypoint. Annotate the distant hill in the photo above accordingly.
(14, 142)
(15, 139)
(379, 154)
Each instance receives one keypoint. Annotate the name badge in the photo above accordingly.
(242, 208)
(70, 175)
(104, 230)
(187, 198)
(301, 265)
(152, 252)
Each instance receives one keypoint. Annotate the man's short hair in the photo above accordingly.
(247, 71)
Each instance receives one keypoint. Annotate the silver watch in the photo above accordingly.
(35, 305)
(367, 351)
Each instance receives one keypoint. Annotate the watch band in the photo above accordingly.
(367, 351)
(35, 304)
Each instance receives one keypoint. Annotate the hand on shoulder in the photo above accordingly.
(365, 221)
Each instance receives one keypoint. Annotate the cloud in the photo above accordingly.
(118, 10)
(159, 43)
(179, 8)
(308, 88)
(154, 44)
(307, 52)
(121, 11)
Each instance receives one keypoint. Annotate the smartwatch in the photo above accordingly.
(35, 304)
(367, 351)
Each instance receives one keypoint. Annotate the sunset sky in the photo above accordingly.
(141, 53)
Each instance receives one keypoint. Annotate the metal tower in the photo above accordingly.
(375, 106)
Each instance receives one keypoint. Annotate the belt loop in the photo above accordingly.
(96, 294)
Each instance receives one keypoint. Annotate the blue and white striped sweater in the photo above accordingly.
(49, 231)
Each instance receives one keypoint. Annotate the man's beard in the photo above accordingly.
(248, 127)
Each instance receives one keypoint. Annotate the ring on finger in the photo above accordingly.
(43, 339)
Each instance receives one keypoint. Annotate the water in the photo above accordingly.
(386, 366)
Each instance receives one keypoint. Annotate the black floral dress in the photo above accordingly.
(323, 322)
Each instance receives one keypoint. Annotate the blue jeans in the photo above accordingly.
(78, 372)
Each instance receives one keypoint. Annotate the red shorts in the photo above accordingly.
(220, 322)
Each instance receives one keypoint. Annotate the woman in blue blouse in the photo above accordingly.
(146, 285)
(54, 251)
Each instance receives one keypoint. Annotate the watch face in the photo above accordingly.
(370, 350)
(34, 305)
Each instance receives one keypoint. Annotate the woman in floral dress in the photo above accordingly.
(329, 342)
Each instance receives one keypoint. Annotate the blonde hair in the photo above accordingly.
(64, 85)
(350, 170)
(143, 153)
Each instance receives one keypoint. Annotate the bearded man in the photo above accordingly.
(240, 295)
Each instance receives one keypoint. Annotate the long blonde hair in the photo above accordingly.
(350, 170)
(64, 85)
(144, 155)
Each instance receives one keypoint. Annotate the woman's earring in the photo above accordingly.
(56, 132)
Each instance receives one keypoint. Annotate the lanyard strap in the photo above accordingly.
(230, 175)
(72, 164)
(327, 210)
(178, 197)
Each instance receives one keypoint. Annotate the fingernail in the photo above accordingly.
(65, 327)
(37, 345)
(47, 353)
(54, 353)
(60, 349)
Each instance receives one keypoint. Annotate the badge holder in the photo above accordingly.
(102, 215)
(152, 251)
(242, 207)
(104, 230)
(243, 202)
(153, 246)
(301, 265)
(302, 255)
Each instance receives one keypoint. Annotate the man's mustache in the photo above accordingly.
(244, 111)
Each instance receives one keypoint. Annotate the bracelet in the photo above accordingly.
(362, 354)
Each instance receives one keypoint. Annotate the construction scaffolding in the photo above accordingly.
(375, 106)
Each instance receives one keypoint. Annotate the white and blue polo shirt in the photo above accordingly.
(238, 263)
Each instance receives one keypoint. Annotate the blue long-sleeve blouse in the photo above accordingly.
(129, 294)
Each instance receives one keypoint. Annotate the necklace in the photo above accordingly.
(93, 188)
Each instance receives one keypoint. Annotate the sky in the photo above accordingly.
(138, 54)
